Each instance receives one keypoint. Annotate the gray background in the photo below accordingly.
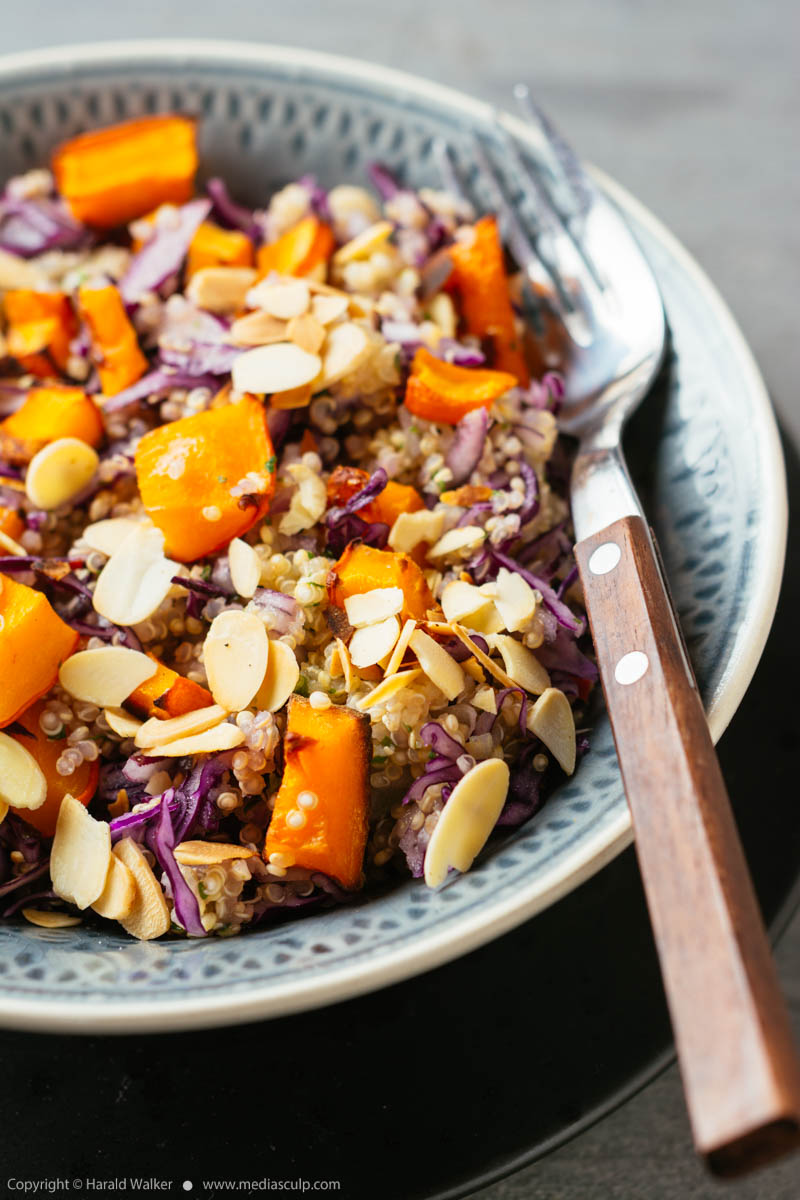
(694, 106)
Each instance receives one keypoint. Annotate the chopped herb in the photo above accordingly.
(206, 572)
(408, 728)
(311, 583)
(271, 464)
(311, 555)
(57, 737)
(202, 891)
(387, 741)
(379, 760)
(301, 688)
(222, 479)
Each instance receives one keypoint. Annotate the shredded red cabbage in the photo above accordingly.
(344, 525)
(163, 253)
(467, 445)
(231, 214)
(31, 226)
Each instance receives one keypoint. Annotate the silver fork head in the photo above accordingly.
(595, 296)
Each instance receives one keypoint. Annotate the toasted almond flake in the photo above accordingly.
(308, 502)
(552, 721)
(3, 811)
(389, 687)
(472, 668)
(59, 471)
(364, 244)
(465, 603)
(107, 536)
(297, 397)
(106, 676)
(258, 329)
(458, 541)
(521, 663)
(443, 313)
(210, 741)
(485, 699)
(335, 668)
(208, 854)
(118, 896)
(350, 678)
(245, 567)
(50, 920)
(80, 854)
(10, 546)
(437, 664)
(345, 347)
(276, 368)
(372, 643)
(235, 654)
(306, 332)
(136, 579)
(466, 820)
(489, 664)
(401, 646)
(283, 299)
(149, 916)
(121, 722)
(220, 289)
(327, 309)
(22, 781)
(156, 732)
(515, 600)
(367, 608)
(410, 529)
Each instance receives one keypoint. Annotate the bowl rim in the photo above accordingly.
(473, 930)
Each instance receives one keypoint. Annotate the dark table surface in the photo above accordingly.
(694, 107)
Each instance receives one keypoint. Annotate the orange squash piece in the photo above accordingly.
(168, 694)
(215, 247)
(11, 523)
(187, 469)
(111, 176)
(54, 412)
(81, 784)
(34, 642)
(480, 278)
(395, 498)
(362, 568)
(299, 250)
(327, 753)
(40, 328)
(442, 392)
(115, 346)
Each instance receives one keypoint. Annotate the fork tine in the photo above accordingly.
(569, 167)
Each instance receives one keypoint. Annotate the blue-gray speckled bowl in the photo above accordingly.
(718, 502)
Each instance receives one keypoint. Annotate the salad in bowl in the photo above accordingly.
(288, 605)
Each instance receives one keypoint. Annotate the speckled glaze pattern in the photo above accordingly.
(714, 479)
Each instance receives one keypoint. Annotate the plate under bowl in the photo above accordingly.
(705, 449)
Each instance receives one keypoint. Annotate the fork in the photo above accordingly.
(595, 292)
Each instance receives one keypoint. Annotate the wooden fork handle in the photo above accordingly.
(739, 1064)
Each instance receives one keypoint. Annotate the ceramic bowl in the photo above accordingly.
(705, 449)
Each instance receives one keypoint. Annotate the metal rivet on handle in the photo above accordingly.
(605, 558)
(631, 667)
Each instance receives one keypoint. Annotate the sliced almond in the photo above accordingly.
(350, 678)
(211, 741)
(327, 309)
(306, 332)
(118, 897)
(50, 920)
(410, 529)
(521, 663)
(208, 854)
(297, 397)
(121, 722)
(284, 299)
(466, 820)
(551, 720)
(136, 579)
(107, 536)
(515, 600)
(80, 855)
(245, 567)
(10, 546)
(465, 603)
(437, 664)
(235, 654)
(156, 732)
(459, 541)
(443, 313)
(485, 699)
(389, 687)
(280, 679)
(471, 667)
(345, 347)
(59, 471)
(367, 608)
(401, 646)
(149, 916)
(106, 676)
(372, 643)
(258, 329)
(365, 243)
(276, 368)
(220, 289)
(22, 781)
(308, 502)
(486, 662)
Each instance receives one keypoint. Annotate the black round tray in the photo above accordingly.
(433, 1087)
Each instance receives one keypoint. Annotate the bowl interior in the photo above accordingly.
(703, 450)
